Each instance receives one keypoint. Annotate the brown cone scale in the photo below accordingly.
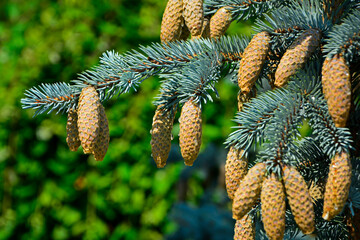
(296, 56)
(235, 170)
(337, 89)
(252, 61)
(88, 118)
(249, 191)
(220, 22)
(244, 229)
(172, 21)
(72, 138)
(299, 199)
(190, 131)
(103, 138)
(273, 207)
(161, 136)
(337, 186)
(193, 16)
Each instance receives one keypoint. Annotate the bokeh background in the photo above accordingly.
(49, 192)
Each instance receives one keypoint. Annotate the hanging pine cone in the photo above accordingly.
(337, 89)
(194, 16)
(235, 170)
(172, 21)
(72, 138)
(299, 199)
(296, 55)
(190, 131)
(220, 22)
(273, 207)
(88, 118)
(161, 136)
(244, 229)
(249, 191)
(253, 60)
(103, 138)
(337, 186)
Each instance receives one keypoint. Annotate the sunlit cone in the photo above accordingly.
(244, 229)
(88, 118)
(103, 138)
(161, 136)
(249, 191)
(316, 191)
(337, 89)
(190, 131)
(193, 16)
(337, 186)
(220, 22)
(172, 21)
(273, 207)
(72, 138)
(296, 55)
(299, 199)
(235, 169)
(252, 61)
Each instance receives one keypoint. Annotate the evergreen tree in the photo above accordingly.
(301, 65)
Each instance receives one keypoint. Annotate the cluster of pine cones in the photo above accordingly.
(246, 187)
(181, 19)
(88, 125)
(184, 17)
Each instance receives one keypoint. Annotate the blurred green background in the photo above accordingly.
(48, 192)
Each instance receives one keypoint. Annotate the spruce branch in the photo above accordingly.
(345, 38)
(243, 9)
(253, 119)
(193, 81)
(331, 138)
(48, 97)
(119, 73)
(308, 159)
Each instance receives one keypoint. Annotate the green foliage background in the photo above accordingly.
(48, 192)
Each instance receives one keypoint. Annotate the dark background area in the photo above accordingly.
(49, 192)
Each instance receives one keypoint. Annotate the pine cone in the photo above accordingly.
(235, 170)
(249, 191)
(161, 136)
(190, 131)
(172, 21)
(337, 186)
(220, 22)
(244, 229)
(273, 207)
(88, 118)
(194, 16)
(72, 138)
(337, 89)
(253, 60)
(296, 56)
(103, 138)
(299, 199)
